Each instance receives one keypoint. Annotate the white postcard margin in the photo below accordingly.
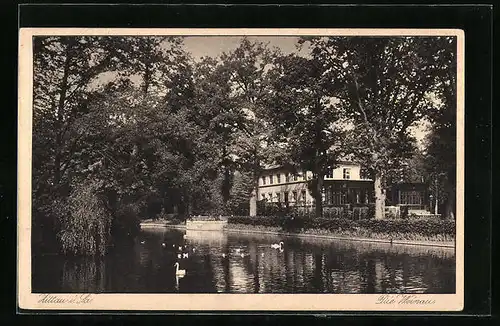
(221, 302)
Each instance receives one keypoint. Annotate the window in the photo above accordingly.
(329, 173)
(263, 196)
(299, 177)
(294, 196)
(295, 177)
(263, 180)
(411, 198)
(287, 177)
(278, 178)
(270, 195)
(278, 196)
(286, 197)
(270, 179)
(303, 196)
(340, 197)
(347, 173)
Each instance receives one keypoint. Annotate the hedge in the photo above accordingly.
(425, 227)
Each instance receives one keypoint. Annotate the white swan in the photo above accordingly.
(179, 272)
(143, 242)
(278, 245)
(177, 277)
(163, 245)
(185, 255)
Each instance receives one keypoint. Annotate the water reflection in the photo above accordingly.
(246, 263)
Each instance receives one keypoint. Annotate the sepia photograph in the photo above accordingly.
(200, 169)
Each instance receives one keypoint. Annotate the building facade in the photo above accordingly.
(347, 184)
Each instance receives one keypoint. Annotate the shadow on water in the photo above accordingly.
(246, 263)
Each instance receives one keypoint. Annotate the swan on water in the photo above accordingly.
(185, 255)
(179, 272)
(142, 242)
(177, 277)
(278, 246)
(163, 244)
(179, 256)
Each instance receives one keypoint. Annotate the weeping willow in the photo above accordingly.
(85, 228)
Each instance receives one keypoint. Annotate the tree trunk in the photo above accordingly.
(57, 167)
(253, 200)
(437, 200)
(226, 181)
(379, 197)
(450, 202)
(60, 108)
(254, 196)
(226, 185)
(319, 195)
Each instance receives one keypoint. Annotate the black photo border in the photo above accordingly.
(475, 20)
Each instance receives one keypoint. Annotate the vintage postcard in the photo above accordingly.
(241, 169)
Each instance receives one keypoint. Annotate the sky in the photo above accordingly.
(213, 46)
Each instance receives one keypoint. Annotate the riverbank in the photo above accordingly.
(319, 234)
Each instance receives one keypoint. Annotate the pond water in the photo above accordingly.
(235, 262)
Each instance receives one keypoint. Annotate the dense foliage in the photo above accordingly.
(130, 128)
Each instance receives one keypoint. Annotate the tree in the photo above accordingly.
(218, 113)
(388, 87)
(441, 141)
(306, 116)
(87, 119)
(249, 66)
(65, 69)
(152, 59)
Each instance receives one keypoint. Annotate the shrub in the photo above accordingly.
(176, 221)
(428, 227)
(126, 224)
(85, 222)
(205, 218)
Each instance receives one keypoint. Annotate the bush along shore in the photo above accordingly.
(421, 230)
